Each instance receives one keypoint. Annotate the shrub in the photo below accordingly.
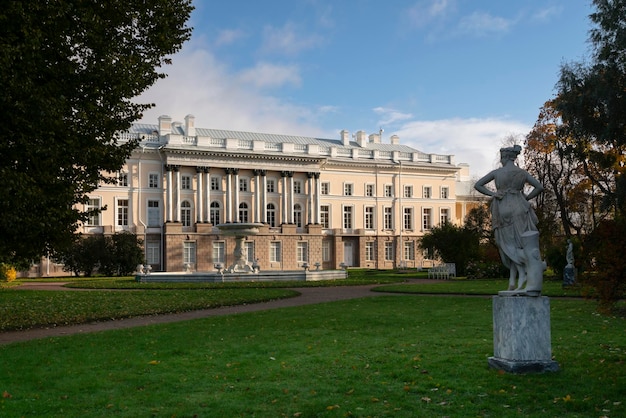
(7, 273)
(605, 262)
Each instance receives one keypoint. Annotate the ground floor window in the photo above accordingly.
(218, 252)
(369, 251)
(409, 250)
(302, 253)
(326, 251)
(153, 253)
(275, 252)
(189, 252)
(389, 251)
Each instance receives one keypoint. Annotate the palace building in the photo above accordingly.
(354, 201)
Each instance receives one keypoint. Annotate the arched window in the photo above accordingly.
(185, 213)
(271, 214)
(297, 215)
(214, 213)
(243, 212)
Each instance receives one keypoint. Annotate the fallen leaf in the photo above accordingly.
(426, 399)
(154, 362)
(6, 395)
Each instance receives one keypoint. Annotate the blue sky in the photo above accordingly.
(447, 76)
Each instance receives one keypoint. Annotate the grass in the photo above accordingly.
(476, 287)
(397, 355)
(22, 309)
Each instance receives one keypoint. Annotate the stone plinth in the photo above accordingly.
(521, 335)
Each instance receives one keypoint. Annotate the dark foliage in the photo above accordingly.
(453, 244)
(69, 70)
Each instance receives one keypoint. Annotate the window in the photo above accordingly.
(325, 216)
(369, 251)
(214, 213)
(185, 182)
(347, 189)
(271, 185)
(243, 185)
(302, 252)
(427, 219)
(215, 182)
(218, 252)
(185, 213)
(153, 181)
(325, 250)
(297, 186)
(297, 215)
(409, 250)
(248, 251)
(122, 212)
(153, 252)
(154, 213)
(325, 188)
(347, 217)
(388, 190)
(444, 216)
(369, 217)
(388, 218)
(243, 212)
(408, 219)
(388, 251)
(189, 253)
(275, 251)
(408, 191)
(122, 179)
(445, 193)
(427, 192)
(369, 190)
(94, 219)
(271, 214)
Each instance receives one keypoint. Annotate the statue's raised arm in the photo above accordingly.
(514, 222)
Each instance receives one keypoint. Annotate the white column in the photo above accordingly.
(309, 199)
(207, 194)
(264, 199)
(318, 192)
(257, 196)
(290, 198)
(199, 205)
(228, 208)
(236, 195)
(170, 187)
(177, 209)
(284, 217)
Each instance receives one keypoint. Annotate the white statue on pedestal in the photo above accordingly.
(515, 223)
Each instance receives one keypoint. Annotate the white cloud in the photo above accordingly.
(199, 84)
(546, 14)
(473, 141)
(482, 23)
(424, 12)
(266, 74)
(287, 40)
(229, 36)
(390, 116)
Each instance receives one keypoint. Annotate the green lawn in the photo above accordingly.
(397, 355)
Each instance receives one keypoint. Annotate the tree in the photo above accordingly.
(69, 70)
(116, 255)
(592, 102)
(568, 203)
(452, 244)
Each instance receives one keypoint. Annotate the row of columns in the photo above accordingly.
(231, 209)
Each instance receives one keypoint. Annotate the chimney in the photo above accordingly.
(374, 138)
(361, 137)
(395, 139)
(165, 125)
(190, 125)
(345, 137)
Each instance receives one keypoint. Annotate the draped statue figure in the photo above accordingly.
(514, 222)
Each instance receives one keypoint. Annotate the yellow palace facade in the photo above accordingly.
(353, 201)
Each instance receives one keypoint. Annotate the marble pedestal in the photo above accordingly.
(521, 335)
